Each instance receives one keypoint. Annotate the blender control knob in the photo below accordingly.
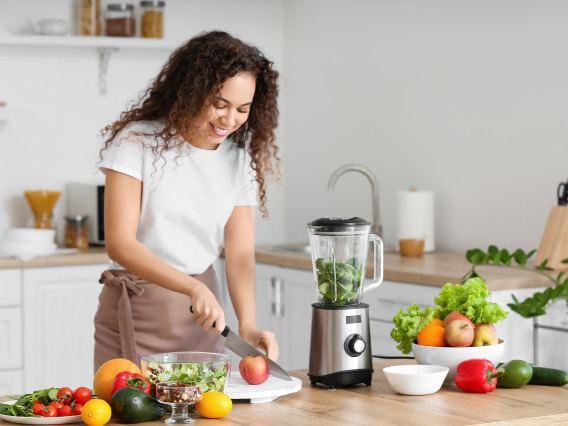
(355, 345)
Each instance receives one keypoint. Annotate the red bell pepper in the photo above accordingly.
(133, 380)
(477, 375)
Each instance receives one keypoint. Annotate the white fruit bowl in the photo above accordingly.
(416, 379)
(450, 357)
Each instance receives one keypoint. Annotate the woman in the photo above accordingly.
(183, 170)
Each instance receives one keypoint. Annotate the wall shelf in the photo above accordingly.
(82, 41)
(104, 46)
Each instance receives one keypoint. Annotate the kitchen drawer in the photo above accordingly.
(12, 383)
(551, 347)
(381, 342)
(11, 341)
(11, 287)
(391, 296)
(556, 316)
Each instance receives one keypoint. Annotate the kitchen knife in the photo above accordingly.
(243, 348)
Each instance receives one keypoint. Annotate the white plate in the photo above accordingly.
(268, 391)
(39, 420)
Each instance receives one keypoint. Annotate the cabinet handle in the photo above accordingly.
(276, 296)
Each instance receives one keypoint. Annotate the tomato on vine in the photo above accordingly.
(82, 395)
(49, 411)
(65, 395)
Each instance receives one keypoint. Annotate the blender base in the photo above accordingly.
(343, 378)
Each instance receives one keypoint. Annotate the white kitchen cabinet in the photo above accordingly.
(551, 337)
(11, 343)
(384, 302)
(283, 306)
(59, 306)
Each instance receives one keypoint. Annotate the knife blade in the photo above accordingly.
(243, 348)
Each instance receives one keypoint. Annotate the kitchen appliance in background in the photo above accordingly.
(340, 347)
(88, 200)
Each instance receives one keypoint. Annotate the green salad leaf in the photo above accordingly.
(209, 376)
(469, 298)
(408, 324)
(23, 406)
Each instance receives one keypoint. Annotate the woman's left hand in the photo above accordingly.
(262, 339)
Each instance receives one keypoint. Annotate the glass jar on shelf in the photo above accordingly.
(152, 19)
(76, 235)
(89, 18)
(119, 20)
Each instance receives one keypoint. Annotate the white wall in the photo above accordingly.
(59, 85)
(467, 99)
(464, 98)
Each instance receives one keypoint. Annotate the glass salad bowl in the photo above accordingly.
(209, 370)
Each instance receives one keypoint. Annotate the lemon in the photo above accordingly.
(96, 412)
(214, 405)
(517, 373)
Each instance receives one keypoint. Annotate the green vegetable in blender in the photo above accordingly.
(338, 282)
(468, 298)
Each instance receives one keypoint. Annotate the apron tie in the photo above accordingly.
(129, 284)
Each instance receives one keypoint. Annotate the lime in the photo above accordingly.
(516, 374)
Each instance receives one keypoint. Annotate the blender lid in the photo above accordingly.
(339, 224)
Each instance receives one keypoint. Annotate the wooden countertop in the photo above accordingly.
(379, 404)
(434, 269)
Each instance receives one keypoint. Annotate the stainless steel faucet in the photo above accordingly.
(376, 227)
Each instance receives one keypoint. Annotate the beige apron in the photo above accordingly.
(136, 318)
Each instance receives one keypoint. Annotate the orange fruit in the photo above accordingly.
(214, 405)
(431, 335)
(104, 377)
(437, 321)
(96, 412)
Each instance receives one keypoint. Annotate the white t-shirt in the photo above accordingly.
(186, 201)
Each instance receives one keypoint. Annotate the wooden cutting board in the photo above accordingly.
(268, 391)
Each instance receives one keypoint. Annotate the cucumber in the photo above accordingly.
(549, 377)
(132, 405)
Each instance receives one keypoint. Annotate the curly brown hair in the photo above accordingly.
(186, 85)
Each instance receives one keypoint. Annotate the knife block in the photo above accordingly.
(554, 242)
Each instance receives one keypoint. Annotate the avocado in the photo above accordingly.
(132, 405)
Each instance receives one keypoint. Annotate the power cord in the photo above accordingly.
(393, 357)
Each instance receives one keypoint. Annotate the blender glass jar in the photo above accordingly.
(339, 257)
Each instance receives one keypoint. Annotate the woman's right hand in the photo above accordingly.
(206, 309)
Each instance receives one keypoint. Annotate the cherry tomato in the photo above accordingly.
(56, 404)
(37, 401)
(65, 395)
(81, 395)
(66, 410)
(78, 408)
(49, 411)
(37, 409)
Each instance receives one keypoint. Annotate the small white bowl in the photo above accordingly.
(416, 379)
(450, 357)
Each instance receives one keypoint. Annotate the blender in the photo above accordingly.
(340, 347)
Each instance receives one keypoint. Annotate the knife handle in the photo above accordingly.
(225, 330)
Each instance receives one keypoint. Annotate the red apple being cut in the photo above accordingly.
(254, 370)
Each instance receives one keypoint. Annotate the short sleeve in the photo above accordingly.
(124, 155)
(249, 187)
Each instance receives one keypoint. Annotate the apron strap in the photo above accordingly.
(129, 284)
